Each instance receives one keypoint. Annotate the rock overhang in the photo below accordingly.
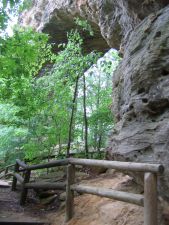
(112, 20)
(58, 30)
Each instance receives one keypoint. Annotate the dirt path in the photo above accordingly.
(10, 210)
(89, 209)
(94, 210)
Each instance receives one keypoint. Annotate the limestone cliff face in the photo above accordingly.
(112, 20)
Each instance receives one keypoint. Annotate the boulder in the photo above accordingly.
(48, 200)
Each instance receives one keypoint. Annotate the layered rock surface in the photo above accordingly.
(141, 97)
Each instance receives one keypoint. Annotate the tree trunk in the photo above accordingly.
(85, 118)
(97, 105)
(60, 145)
(72, 116)
(83, 131)
(99, 145)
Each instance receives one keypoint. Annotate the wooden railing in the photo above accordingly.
(25, 179)
(148, 200)
(6, 171)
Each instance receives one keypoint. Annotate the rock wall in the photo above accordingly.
(112, 20)
(141, 97)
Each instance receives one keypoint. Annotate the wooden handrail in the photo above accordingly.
(16, 175)
(27, 172)
(22, 164)
(62, 162)
(126, 166)
(6, 174)
(105, 192)
(129, 166)
(7, 167)
(46, 186)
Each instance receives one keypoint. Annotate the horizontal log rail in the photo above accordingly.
(11, 165)
(18, 177)
(62, 162)
(5, 170)
(126, 166)
(129, 166)
(108, 193)
(148, 200)
(46, 186)
(26, 169)
(6, 175)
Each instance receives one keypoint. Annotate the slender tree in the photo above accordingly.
(72, 116)
(85, 117)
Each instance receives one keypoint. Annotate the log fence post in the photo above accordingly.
(16, 169)
(6, 170)
(69, 192)
(150, 199)
(24, 191)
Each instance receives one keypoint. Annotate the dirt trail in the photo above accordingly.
(10, 209)
(89, 209)
(94, 210)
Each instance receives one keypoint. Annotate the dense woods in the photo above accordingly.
(52, 103)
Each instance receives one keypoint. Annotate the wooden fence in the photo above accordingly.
(6, 171)
(148, 200)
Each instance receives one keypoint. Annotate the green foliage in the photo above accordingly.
(36, 106)
(84, 25)
(5, 6)
(22, 57)
(99, 99)
(8, 114)
(26, 4)
(8, 7)
(54, 93)
(12, 135)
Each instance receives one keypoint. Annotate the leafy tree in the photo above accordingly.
(11, 7)
(22, 57)
(99, 99)
(12, 137)
(47, 111)
(58, 94)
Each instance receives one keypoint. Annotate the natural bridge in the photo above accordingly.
(21, 173)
